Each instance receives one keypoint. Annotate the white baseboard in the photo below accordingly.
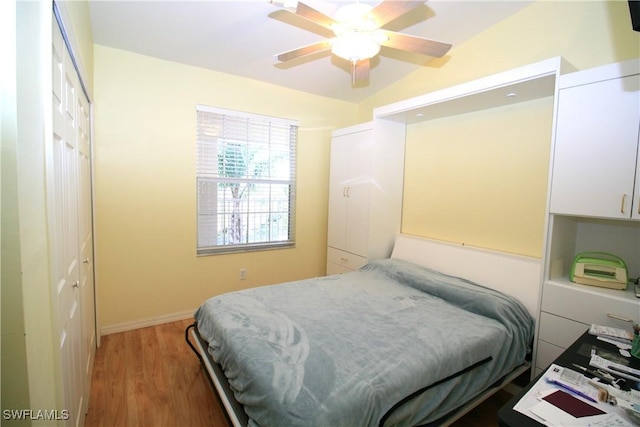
(143, 323)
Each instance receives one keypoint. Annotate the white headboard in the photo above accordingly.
(514, 275)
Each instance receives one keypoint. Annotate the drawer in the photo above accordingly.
(589, 305)
(546, 354)
(333, 268)
(345, 259)
(560, 331)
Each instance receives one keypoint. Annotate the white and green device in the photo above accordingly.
(599, 269)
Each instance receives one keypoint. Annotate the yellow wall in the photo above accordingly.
(481, 179)
(144, 148)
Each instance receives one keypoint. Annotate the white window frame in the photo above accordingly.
(218, 128)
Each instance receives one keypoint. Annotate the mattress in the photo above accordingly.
(391, 344)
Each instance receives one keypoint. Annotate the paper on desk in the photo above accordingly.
(554, 417)
(533, 406)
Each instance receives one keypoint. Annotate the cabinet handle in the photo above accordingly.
(624, 319)
(344, 259)
(348, 191)
(624, 199)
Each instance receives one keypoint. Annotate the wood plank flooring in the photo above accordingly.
(150, 377)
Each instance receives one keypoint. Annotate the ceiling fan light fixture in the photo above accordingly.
(360, 34)
(355, 47)
(357, 36)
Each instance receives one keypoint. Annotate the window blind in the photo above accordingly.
(246, 176)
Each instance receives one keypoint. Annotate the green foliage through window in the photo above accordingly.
(245, 181)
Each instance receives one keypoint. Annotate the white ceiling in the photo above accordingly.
(242, 37)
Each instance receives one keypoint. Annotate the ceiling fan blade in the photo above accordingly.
(304, 50)
(314, 15)
(415, 44)
(360, 72)
(388, 10)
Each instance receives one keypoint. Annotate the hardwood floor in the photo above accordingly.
(150, 377)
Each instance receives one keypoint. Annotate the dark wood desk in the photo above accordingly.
(579, 353)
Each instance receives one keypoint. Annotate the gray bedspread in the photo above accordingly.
(392, 342)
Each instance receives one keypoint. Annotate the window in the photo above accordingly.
(246, 178)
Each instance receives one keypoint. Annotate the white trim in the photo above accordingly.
(144, 323)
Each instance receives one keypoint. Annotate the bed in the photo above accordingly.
(409, 340)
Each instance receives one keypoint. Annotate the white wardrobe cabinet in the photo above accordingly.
(592, 206)
(349, 191)
(365, 196)
(595, 164)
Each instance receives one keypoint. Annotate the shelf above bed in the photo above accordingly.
(522, 84)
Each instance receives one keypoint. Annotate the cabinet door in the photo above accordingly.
(596, 145)
(359, 184)
(350, 178)
(338, 175)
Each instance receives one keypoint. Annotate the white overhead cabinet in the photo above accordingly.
(365, 197)
(596, 147)
(593, 204)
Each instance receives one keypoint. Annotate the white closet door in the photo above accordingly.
(86, 243)
(65, 175)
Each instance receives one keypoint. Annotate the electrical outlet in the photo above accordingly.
(243, 273)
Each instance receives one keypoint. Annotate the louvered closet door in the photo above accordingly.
(68, 168)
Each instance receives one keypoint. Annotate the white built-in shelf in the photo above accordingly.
(616, 294)
(522, 84)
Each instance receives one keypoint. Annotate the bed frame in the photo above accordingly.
(514, 275)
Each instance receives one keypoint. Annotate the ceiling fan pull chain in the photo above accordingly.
(353, 72)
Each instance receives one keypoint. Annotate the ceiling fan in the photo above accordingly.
(359, 34)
